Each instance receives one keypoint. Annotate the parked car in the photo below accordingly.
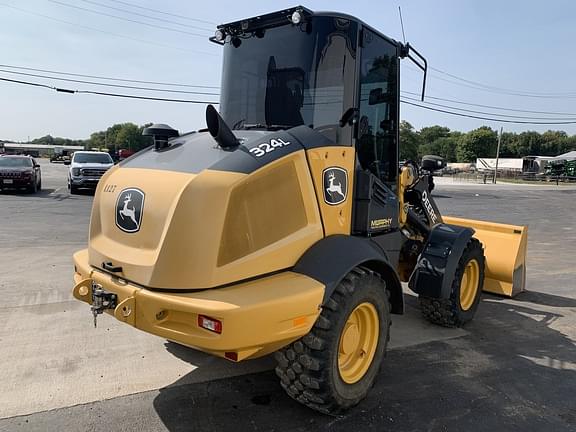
(86, 169)
(20, 172)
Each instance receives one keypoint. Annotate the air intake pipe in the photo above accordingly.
(220, 130)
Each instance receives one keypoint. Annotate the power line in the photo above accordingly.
(488, 113)
(145, 97)
(496, 90)
(64, 90)
(164, 13)
(146, 16)
(108, 85)
(104, 31)
(126, 19)
(485, 118)
(525, 92)
(119, 95)
(108, 78)
(489, 106)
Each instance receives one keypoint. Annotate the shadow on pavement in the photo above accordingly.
(545, 299)
(513, 372)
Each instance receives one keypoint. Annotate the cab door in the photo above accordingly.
(376, 206)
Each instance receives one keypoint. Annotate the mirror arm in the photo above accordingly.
(421, 63)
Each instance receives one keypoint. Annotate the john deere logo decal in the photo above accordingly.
(335, 185)
(129, 210)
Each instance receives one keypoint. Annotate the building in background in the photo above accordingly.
(37, 150)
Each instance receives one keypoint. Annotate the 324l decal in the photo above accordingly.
(268, 147)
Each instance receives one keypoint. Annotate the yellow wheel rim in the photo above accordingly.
(358, 343)
(469, 284)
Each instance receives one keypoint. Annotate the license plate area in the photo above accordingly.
(8, 181)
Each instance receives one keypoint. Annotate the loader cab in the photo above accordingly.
(334, 74)
(296, 67)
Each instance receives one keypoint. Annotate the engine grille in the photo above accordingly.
(10, 174)
(93, 172)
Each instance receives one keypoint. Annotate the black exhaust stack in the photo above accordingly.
(220, 130)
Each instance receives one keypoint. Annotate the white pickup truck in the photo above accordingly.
(86, 168)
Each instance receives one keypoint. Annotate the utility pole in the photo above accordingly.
(497, 155)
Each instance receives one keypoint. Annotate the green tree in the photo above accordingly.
(409, 141)
(129, 137)
(553, 142)
(477, 143)
(528, 143)
(97, 140)
(431, 133)
(46, 140)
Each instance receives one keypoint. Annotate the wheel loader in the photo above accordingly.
(287, 225)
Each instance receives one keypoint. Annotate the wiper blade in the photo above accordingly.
(264, 126)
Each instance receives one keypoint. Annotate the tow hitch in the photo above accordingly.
(101, 300)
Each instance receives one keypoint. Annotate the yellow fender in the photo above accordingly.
(505, 250)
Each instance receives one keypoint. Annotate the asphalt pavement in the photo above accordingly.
(513, 368)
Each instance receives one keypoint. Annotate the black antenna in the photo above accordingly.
(405, 52)
(402, 24)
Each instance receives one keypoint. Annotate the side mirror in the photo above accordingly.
(67, 162)
(432, 163)
(377, 96)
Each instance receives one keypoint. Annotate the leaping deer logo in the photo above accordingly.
(129, 210)
(334, 188)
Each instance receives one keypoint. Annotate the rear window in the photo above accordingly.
(9, 162)
(92, 158)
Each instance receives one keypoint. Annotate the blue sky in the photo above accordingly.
(518, 45)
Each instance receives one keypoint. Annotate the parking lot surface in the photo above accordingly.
(513, 368)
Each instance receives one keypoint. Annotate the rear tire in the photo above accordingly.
(465, 292)
(334, 366)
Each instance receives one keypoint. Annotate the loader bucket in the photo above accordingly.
(505, 251)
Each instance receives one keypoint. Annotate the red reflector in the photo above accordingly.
(210, 324)
(231, 355)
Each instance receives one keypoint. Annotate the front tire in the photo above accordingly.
(33, 188)
(334, 366)
(465, 291)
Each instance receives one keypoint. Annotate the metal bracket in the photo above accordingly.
(101, 300)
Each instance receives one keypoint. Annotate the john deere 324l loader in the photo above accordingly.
(287, 226)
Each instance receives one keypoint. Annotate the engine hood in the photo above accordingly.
(197, 151)
(190, 153)
(196, 216)
(5, 170)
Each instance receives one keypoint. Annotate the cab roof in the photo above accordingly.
(283, 17)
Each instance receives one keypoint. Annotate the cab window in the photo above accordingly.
(377, 146)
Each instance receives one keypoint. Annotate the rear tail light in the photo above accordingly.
(231, 355)
(210, 324)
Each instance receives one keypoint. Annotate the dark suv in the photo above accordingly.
(19, 172)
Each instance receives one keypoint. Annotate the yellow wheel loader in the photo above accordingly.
(287, 225)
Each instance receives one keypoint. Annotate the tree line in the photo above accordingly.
(119, 136)
(457, 146)
(454, 146)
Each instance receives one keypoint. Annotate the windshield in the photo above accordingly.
(291, 76)
(10, 162)
(92, 158)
